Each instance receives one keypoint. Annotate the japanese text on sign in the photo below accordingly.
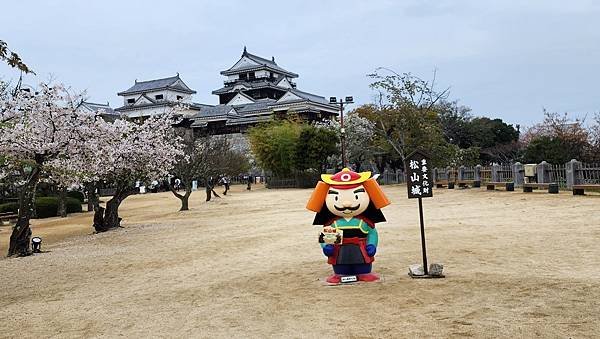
(418, 179)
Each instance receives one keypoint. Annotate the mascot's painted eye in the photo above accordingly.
(336, 198)
(356, 196)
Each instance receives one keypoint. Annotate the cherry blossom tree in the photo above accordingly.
(36, 130)
(359, 135)
(124, 152)
(44, 135)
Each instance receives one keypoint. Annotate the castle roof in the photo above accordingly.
(172, 83)
(255, 62)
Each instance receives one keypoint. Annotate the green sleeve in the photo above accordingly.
(372, 237)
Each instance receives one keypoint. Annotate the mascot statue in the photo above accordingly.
(348, 204)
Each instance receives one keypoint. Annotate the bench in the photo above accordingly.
(510, 186)
(465, 183)
(580, 189)
(442, 183)
(529, 186)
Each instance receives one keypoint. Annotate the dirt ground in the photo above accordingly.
(248, 265)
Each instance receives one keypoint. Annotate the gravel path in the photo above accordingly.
(248, 265)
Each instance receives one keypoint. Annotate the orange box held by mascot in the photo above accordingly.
(348, 204)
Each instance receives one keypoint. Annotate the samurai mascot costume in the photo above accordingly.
(348, 205)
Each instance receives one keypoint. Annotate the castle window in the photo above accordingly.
(158, 97)
(179, 97)
(131, 101)
(251, 75)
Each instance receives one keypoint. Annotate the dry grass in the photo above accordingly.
(248, 265)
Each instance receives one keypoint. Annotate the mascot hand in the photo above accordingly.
(371, 250)
(328, 250)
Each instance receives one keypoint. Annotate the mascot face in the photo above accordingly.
(347, 203)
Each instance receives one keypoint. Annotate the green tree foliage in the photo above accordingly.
(313, 147)
(274, 146)
(12, 58)
(486, 132)
(284, 147)
(455, 121)
(496, 140)
(557, 140)
(547, 148)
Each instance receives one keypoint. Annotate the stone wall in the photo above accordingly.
(239, 142)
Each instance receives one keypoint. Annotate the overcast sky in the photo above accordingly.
(506, 59)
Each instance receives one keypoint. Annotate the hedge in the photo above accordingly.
(9, 207)
(77, 195)
(46, 207)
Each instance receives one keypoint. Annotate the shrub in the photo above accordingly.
(73, 205)
(9, 207)
(77, 195)
(46, 207)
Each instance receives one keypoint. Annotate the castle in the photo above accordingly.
(255, 90)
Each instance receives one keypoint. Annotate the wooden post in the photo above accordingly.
(423, 247)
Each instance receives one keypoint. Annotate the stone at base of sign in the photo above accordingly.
(435, 271)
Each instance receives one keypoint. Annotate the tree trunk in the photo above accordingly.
(21, 234)
(183, 197)
(111, 214)
(92, 197)
(99, 219)
(62, 203)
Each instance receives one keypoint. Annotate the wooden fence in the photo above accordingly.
(564, 175)
(392, 177)
(485, 174)
(588, 174)
(558, 174)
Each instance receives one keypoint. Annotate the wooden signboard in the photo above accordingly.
(419, 183)
(419, 180)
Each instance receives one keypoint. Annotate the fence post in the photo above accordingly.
(572, 168)
(461, 173)
(450, 183)
(543, 175)
(384, 176)
(477, 174)
(495, 173)
(518, 175)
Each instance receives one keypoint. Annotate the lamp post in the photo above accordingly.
(342, 102)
